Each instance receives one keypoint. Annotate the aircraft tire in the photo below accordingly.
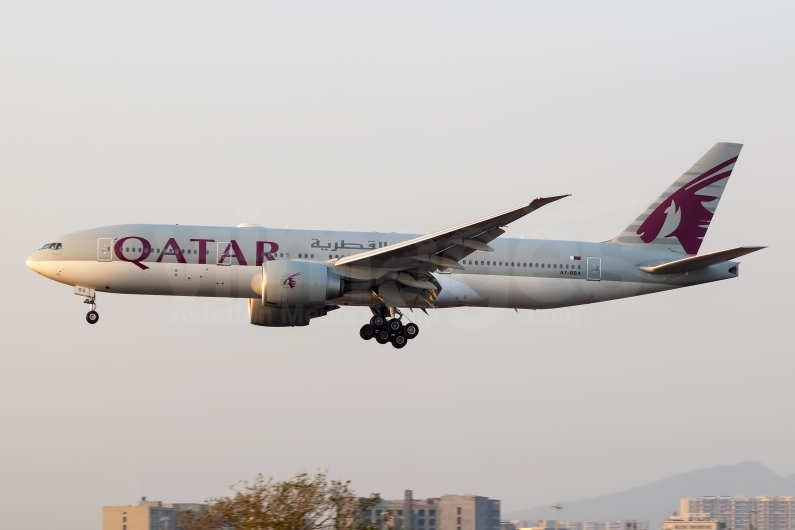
(394, 325)
(377, 321)
(399, 341)
(92, 317)
(411, 330)
(366, 332)
(382, 336)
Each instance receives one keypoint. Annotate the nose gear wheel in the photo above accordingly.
(92, 317)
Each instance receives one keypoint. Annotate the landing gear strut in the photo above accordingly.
(92, 317)
(389, 330)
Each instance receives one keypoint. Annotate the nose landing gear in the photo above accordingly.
(92, 317)
(389, 330)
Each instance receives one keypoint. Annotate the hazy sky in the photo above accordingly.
(404, 117)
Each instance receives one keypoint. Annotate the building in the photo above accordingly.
(608, 524)
(147, 515)
(743, 513)
(691, 522)
(448, 512)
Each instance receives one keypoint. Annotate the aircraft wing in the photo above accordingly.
(443, 250)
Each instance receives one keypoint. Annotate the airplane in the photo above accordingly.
(290, 277)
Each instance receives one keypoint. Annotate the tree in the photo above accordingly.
(304, 502)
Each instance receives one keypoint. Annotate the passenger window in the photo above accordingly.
(512, 264)
(312, 256)
(542, 265)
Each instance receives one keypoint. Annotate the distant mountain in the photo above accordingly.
(656, 501)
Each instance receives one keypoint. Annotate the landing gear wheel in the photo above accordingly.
(366, 332)
(411, 330)
(92, 317)
(382, 337)
(377, 321)
(394, 325)
(398, 341)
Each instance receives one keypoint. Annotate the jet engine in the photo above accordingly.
(292, 292)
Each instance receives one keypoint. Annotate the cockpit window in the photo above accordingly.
(57, 246)
(46, 246)
(52, 246)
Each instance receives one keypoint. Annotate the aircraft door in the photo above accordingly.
(594, 269)
(104, 249)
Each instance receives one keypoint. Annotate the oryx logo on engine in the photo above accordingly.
(290, 281)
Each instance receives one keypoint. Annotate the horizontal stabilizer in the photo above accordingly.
(699, 262)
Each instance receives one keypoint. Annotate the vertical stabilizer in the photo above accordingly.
(678, 220)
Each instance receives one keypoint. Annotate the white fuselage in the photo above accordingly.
(177, 260)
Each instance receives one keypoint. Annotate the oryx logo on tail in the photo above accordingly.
(679, 218)
(684, 214)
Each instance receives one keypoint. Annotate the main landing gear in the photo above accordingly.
(92, 317)
(384, 329)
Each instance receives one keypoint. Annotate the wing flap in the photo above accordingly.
(699, 262)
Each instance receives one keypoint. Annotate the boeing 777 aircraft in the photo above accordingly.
(292, 276)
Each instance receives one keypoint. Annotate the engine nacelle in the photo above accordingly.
(292, 283)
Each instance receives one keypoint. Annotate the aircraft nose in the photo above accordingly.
(32, 263)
